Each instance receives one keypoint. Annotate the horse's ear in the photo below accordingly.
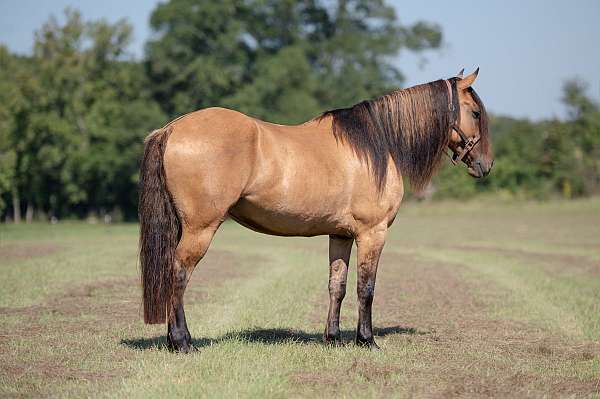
(460, 74)
(468, 81)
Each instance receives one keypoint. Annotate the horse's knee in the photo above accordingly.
(337, 278)
(337, 290)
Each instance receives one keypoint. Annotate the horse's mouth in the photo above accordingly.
(479, 169)
(475, 172)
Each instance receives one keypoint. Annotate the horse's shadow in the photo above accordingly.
(270, 336)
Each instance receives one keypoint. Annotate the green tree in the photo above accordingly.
(281, 60)
(17, 88)
(9, 104)
(78, 130)
(584, 132)
(353, 50)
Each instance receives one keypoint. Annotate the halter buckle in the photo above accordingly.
(469, 143)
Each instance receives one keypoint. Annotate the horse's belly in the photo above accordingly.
(288, 221)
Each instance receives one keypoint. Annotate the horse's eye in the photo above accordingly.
(476, 114)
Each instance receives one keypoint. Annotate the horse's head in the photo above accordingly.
(470, 139)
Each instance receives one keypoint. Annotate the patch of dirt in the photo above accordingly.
(54, 371)
(109, 300)
(115, 299)
(78, 315)
(330, 380)
(24, 250)
(468, 352)
(372, 372)
(367, 371)
(519, 385)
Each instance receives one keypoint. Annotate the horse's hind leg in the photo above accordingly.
(339, 256)
(206, 174)
(190, 250)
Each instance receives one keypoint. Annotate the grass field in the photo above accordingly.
(477, 300)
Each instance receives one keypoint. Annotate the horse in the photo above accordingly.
(339, 174)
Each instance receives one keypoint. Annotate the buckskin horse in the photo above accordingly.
(339, 174)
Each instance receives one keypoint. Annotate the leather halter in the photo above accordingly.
(468, 143)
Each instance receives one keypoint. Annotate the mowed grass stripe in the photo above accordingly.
(41, 260)
(558, 314)
(566, 304)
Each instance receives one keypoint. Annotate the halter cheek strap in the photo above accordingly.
(468, 143)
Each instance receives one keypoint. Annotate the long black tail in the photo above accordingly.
(159, 230)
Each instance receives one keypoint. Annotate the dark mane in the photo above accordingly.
(411, 126)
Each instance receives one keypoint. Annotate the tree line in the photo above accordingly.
(74, 113)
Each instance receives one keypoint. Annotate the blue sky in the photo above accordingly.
(526, 49)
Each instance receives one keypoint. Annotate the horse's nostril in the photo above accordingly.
(481, 167)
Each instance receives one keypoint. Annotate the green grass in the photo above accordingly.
(478, 299)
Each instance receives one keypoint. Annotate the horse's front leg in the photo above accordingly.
(339, 256)
(369, 246)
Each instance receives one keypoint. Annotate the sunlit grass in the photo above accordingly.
(71, 325)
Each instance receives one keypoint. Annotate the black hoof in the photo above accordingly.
(332, 338)
(335, 341)
(180, 344)
(180, 347)
(368, 344)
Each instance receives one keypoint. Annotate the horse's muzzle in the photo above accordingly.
(480, 168)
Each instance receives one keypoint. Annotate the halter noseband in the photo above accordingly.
(468, 143)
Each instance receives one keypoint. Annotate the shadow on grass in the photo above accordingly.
(268, 336)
